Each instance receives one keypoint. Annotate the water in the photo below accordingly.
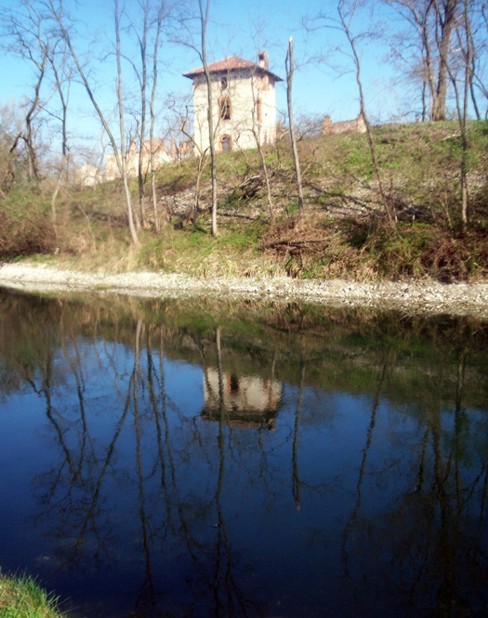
(193, 459)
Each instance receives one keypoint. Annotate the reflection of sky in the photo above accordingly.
(185, 386)
(275, 504)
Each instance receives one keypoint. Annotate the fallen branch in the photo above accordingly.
(345, 198)
(293, 243)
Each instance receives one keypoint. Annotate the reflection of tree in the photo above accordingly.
(83, 490)
(72, 497)
(146, 598)
(229, 600)
(140, 481)
(428, 546)
(55, 419)
(298, 412)
(369, 437)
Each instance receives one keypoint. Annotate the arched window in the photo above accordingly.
(224, 108)
(225, 143)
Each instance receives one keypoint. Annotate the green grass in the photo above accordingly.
(341, 232)
(196, 252)
(22, 597)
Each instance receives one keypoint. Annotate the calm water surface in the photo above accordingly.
(180, 459)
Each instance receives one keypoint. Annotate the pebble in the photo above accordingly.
(412, 297)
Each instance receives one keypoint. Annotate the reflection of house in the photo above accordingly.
(243, 103)
(248, 400)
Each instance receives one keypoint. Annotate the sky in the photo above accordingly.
(324, 82)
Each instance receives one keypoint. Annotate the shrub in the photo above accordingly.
(25, 225)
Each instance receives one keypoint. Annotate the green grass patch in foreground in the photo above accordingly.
(234, 252)
(22, 597)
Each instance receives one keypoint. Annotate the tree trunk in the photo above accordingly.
(63, 171)
(204, 17)
(445, 17)
(290, 66)
(196, 201)
(143, 85)
(28, 138)
(120, 101)
(152, 111)
(119, 160)
(462, 101)
(464, 119)
(388, 208)
(257, 137)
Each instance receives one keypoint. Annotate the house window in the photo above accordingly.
(259, 111)
(224, 108)
(234, 383)
(224, 83)
(225, 143)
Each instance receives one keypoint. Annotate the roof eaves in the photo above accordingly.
(231, 64)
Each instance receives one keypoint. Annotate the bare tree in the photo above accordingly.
(463, 117)
(445, 15)
(58, 60)
(31, 34)
(133, 221)
(152, 112)
(142, 44)
(197, 41)
(470, 43)
(290, 67)
(416, 14)
(461, 91)
(204, 14)
(346, 15)
(12, 164)
(144, 76)
(346, 11)
(478, 16)
(202, 154)
(256, 131)
(27, 34)
(60, 17)
(148, 35)
(433, 23)
(440, 23)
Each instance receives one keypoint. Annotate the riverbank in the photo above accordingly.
(408, 296)
(22, 596)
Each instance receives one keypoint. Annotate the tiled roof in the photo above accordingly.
(233, 63)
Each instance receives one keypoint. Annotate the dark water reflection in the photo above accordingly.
(170, 459)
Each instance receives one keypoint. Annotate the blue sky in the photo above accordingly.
(237, 28)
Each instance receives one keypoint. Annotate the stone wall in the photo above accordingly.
(161, 156)
(358, 125)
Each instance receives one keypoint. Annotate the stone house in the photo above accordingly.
(243, 103)
(88, 175)
(160, 157)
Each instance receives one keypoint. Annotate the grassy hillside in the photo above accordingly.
(343, 232)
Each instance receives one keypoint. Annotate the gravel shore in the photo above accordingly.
(410, 297)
